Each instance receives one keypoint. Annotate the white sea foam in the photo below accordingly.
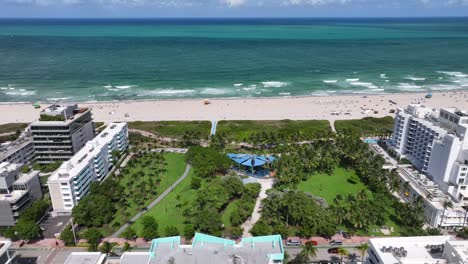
(21, 93)
(123, 86)
(284, 93)
(454, 74)
(166, 92)
(3, 88)
(107, 86)
(214, 91)
(364, 84)
(443, 87)
(383, 76)
(409, 87)
(57, 98)
(249, 88)
(274, 84)
(387, 81)
(410, 77)
(353, 80)
(238, 84)
(330, 81)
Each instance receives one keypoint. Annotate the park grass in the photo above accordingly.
(12, 127)
(366, 126)
(173, 129)
(175, 168)
(226, 216)
(329, 186)
(166, 212)
(240, 130)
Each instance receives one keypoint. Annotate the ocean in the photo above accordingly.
(122, 59)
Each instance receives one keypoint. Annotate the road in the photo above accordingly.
(322, 253)
(153, 203)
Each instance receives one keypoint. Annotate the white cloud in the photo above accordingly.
(234, 3)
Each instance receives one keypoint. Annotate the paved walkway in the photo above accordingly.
(332, 124)
(266, 184)
(153, 203)
(214, 123)
(151, 135)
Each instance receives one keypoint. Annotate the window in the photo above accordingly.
(463, 188)
(462, 174)
(461, 181)
(64, 184)
(463, 169)
(67, 200)
(66, 194)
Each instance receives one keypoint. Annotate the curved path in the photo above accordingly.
(256, 214)
(153, 203)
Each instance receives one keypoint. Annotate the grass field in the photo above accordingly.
(240, 130)
(175, 168)
(12, 127)
(173, 129)
(166, 212)
(328, 186)
(366, 126)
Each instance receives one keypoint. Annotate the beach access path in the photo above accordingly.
(275, 108)
(153, 203)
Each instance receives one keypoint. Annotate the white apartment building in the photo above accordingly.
(434, 198)
(71, 181)
(434, 142)
(17, 191)
(415, 250)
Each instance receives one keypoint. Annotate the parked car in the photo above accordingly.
(333, 251)
(336, 243)
(293, 243)
(315, 243)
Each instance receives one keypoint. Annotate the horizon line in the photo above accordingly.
(236, 17)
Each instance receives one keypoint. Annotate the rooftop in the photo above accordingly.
(73, 166)
(209, 249)
(26, 177)
(86, 258)
(6, 167)
(406, 250)
(57, 114)
(7, 148)
(13, 196)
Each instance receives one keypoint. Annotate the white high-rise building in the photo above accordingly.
(434, 142)
(71, 181)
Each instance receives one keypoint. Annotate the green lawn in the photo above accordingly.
(166, 212)
(173, 129)
(175, 168)
(366, 126)
(240, 130)
(12, 127)
(328, 186)
(228, 211)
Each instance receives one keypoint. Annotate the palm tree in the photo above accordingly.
(342, 252)
(308, 251)
(446, 204)
(362, 249)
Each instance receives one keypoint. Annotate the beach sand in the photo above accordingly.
(295, 108)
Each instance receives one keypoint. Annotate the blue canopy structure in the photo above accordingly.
(249, 160)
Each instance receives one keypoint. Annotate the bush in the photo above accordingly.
(150, 228)
(195, 183)
(207, 161)
(189, 232)
(51, 118)
(261, 229)
(129, 234)
(67, 237)
(93, 235)
(171, 231)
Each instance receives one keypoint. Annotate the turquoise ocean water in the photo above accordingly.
(87, 60)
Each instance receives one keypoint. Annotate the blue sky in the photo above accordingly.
(232, 8)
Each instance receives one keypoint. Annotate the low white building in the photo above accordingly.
(71, 181)
(417, 250)
(434, 198)
(17, 191)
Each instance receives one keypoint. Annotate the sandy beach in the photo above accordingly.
(295, 108)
